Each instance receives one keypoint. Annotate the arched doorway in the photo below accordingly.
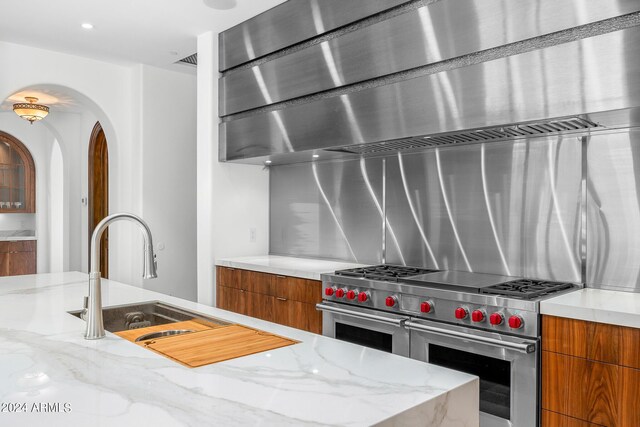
(99, 192)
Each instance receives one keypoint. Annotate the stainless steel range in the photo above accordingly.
(483, 324)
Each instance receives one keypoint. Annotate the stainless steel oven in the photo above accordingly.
(370, 328)
(507, 367)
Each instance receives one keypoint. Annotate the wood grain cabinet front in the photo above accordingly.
(289, 301)
(18, 258)
(590, 374)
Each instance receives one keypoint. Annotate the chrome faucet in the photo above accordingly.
(95, 325)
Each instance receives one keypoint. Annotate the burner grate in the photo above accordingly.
(526, 289)
(386, 272)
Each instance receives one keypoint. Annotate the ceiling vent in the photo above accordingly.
(493, 134)
(189, 60)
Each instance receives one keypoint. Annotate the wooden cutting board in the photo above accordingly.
(188, 325)
(216, 345)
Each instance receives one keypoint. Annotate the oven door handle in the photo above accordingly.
(375, 317)
(521, 347)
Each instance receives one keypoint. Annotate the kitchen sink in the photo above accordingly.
(142, 315)
(162, 334)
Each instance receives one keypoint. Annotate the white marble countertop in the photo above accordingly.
(112, 382)
(596, 305)
(15, 235)
(287, 266)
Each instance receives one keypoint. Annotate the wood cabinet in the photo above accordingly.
(18, 258)
(590, 374)
(17, 176)
(289, 301)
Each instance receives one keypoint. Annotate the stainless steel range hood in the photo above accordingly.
(418, 74)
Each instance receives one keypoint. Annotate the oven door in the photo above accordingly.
(507, 367)
(370, 328)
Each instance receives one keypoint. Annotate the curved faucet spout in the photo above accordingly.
(95, 325)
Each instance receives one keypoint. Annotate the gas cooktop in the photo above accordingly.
(505, 286)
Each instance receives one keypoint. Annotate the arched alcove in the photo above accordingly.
(62, 221)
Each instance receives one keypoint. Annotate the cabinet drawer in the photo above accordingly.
(228, 277)
(580, 388)
(297, 289)
(629, 392)
(18, 246)
(551, 419)
(257, 282)
(630, 348)
(298, 315)
(231, 299)
(588, 340)
(593, 341)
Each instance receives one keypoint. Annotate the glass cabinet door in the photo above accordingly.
(17, 176)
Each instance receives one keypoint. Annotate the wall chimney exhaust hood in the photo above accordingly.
(345, 79)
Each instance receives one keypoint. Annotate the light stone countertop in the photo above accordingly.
(112, 382)
(15, 235)
(287, 266)
(596, 305)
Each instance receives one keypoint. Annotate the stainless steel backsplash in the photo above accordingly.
(505, 208)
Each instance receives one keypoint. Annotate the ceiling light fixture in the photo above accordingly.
(268, 162)
(31, 111)
(315, 156)
(221, 4)
(87, 26)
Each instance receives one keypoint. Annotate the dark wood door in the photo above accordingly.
(99, 191)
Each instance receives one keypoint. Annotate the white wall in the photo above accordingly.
(232, 198)
(168, 135)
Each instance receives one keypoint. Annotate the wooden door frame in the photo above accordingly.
(94, 141)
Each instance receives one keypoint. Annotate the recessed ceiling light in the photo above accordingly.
(221, 4)
(315, 156)
(87, 26)
(268, 162)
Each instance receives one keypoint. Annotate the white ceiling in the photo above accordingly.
(154, 32)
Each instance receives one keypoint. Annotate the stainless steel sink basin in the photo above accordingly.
(162, 334)
(141, 315)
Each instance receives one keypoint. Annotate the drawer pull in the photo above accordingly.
(281, 299)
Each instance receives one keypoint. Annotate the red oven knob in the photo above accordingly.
(340, 293)
(477, 316)
(496, 319)
(426, 307)
(461, 313)
(516, 322)
(329, 291)
(351, 295)
(363, 296)
(391, 301)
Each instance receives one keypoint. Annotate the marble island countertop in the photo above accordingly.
(44, 359)
(287, 266)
